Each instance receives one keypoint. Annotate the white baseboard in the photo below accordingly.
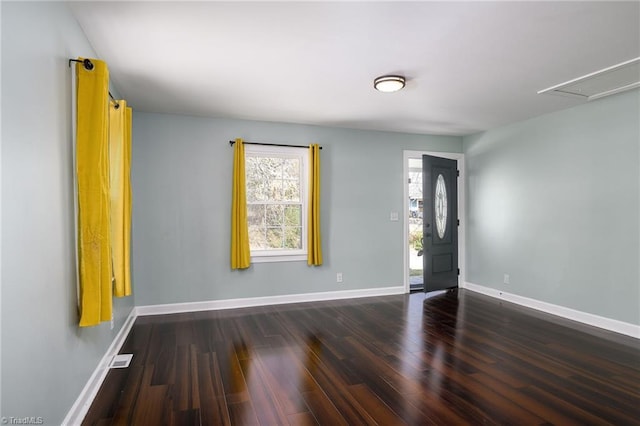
(83, 402)
(211, 305)
(561, 311)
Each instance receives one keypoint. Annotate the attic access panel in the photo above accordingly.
(608, 81)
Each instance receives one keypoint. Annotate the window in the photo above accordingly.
(440, 203)
(277, 188)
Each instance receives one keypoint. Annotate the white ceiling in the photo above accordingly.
(470, 66)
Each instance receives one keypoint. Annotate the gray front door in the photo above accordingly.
(440, 223)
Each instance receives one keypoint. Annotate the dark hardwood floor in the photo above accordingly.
(454, 358)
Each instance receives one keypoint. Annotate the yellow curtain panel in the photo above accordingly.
(314, 249)
(127, 203)
(240, 253)
(92, 170)
(119, 154)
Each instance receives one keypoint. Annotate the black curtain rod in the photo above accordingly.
(271, 144)
(88, 65)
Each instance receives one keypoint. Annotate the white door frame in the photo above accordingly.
(461, 210)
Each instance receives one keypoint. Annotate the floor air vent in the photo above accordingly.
(121, 361)
(618, 78)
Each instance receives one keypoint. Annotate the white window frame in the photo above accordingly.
(262, 256)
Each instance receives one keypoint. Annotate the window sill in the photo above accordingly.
(279, 258)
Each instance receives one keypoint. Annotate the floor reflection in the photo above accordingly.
(440, 358)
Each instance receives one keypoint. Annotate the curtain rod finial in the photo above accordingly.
(88, 65)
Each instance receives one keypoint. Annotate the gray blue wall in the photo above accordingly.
(181, 174)
(553, 202)
(46, 358)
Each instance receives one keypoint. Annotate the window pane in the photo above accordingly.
(274, 238)
(275, 215)
(293, 215)
(275, 190)
(291, 190)
(256, 184)
(256, 215)
(291, 169)
(268, 168)
(257, 238)
(248, 167)
(261, 172)
(257, 191)
(293, 238)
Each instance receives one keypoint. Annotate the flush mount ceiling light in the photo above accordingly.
(389, 83)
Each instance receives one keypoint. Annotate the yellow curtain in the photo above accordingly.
(119, 148)
(240, 253)
(127, 203)
(92, 170)
(314, 249)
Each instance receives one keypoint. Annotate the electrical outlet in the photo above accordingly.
(506, 278)
(339, 277)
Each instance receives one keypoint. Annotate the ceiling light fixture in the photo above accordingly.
(389, 83)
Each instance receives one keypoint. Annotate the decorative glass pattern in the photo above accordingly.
(440, 203)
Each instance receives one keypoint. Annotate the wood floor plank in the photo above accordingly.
(234, 385)
(130, 391)
(331, 384)
(302, 419)
(323, 409)
(194, 391)
(453, 358)
(486, 398)
(165, 363)
(376, 408)
(522, 400)
(558, 403)
(242, 413)
(182, 390)
(278, 374)
(408, 406)
(267, 407)
(610, 396)
(149, 407)
(186, 418)
(213, 407)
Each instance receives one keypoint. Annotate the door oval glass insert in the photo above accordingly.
(440, 203)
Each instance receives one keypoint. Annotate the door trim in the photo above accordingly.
(406, 154)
